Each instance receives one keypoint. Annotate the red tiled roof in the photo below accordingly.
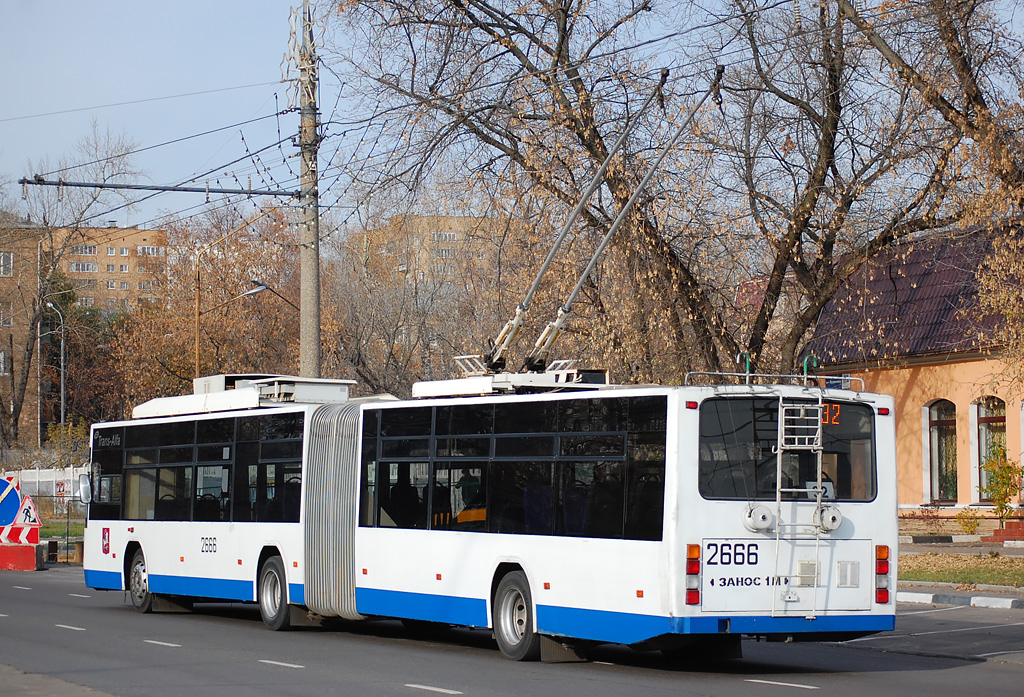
(914, 300)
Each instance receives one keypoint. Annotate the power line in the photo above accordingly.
(136, 101)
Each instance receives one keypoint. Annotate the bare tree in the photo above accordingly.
(48, 226)
(816, 159)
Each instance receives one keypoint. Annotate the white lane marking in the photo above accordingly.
(22, 588)
(882, 637)
(78, 595)
(68, 626)
(784, 684)
(937, 609)
(428, 688)
(279, 663)
(4, 615)
(162, 643)
(997, 653)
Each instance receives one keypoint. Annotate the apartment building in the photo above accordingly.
(106, 268)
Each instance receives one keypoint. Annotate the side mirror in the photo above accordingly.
(84, 488)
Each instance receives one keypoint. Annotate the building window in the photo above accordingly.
(111, 251)
(111, 303)
(5, 363)
(124, 251)
(111, 268)
(84, 250)
(6, 314)
(124, 285)
(150, 251)
(942, 440)
(111, 285)
(145, 285)
(991, 437)
(84, 267)
(124, 268)
(6, 263)
(86, 302)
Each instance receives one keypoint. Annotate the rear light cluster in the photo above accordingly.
(881, 573)
(693, 574)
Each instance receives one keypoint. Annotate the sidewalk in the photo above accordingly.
(999, 597)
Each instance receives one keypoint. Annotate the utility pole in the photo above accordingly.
(309, 250)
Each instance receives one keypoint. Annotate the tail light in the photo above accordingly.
(881, 574)
(693, 574)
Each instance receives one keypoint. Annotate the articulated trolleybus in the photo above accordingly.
(555, 511)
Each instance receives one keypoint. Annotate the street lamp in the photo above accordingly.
(251, 291)
(199, 284)
(259, 286)
(63, 383)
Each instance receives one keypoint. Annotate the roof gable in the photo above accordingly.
(914, 300)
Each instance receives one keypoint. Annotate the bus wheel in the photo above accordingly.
(138, 583)
(514, 626)
(273, 599)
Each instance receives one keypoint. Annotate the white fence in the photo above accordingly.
(54, 490)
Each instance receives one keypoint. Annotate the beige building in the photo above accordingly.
(906, 325)
(106, 269)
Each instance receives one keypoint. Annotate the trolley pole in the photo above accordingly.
(309, 250)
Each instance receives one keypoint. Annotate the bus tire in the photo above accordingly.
(138, 583)
(273, 596)
(512, 618)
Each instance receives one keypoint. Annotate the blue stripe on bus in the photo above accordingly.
(103, 580)
(627, 628)
(221, 588)
(470, 612)
(296, 594)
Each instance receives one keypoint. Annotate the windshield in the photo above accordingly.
(738, 438)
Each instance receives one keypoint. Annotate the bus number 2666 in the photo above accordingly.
(728, 553)
(207, 544)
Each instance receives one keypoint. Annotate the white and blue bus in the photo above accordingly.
(554, 512)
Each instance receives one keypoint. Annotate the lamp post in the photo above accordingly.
(63, 383)
(199, 284)
(259, 286)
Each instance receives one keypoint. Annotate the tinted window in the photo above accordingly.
(737, 459)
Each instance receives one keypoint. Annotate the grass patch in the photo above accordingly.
(57, 529)
(963, 569)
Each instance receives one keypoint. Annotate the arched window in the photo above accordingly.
(942, 437)
(991, 436)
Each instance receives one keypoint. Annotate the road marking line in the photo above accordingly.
(279, 663)
(161, 643)
(937, 609)
(4, 615)
(997, 653)
(784, 684)
(428, 688)
(78, 595)
(22, 588)
(882, 637)
(68, 626)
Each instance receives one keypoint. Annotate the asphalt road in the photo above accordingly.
(58, 638)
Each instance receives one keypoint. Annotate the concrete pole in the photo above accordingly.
(309, 250)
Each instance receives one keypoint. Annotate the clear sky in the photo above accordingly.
(70, 55)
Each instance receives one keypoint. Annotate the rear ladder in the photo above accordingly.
(799, 430)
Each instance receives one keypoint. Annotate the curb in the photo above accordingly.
(966, 600)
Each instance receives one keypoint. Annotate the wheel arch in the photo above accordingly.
(266, 553)
(126, 558)
(501, 571)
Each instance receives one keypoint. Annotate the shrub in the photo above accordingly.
(968, 520)
(1004, 481)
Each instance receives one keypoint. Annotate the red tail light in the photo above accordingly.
(881, 574)
(693, 574)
